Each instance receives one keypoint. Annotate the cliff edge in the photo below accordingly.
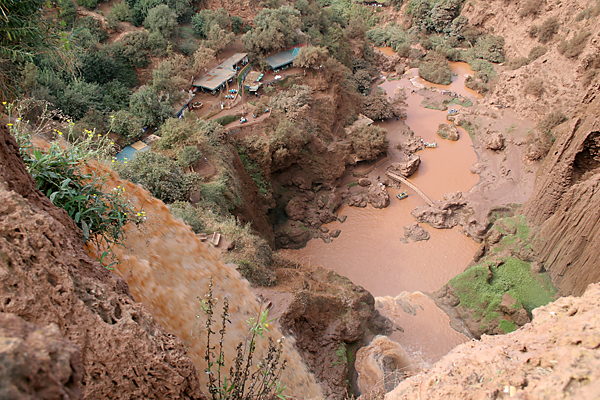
(556, 356)
(113, 346)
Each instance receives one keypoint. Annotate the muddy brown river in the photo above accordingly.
(369, 250)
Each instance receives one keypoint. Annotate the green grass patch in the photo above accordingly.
(466, 103)
(481, 287)
(470, 128)
(226, 119)
(352, 184)
(254, 171)
(506, 326)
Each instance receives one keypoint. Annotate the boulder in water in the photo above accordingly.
(447, 131)
(416, 233)
(407, 167)
(378, 196)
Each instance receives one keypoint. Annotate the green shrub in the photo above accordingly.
(89, 4)
(134, 49)
(121, 11)
(574, 47)
(548, 29)
(157, 44)
(226, 119)
(174, 132)
(161, 19)
(146, 104)
(369, 141)
(237, 24)
(160, 175)
(551, 121)
(189, 215)
(531, 8)
(57, 173)
(189, 156)
(435, 68)
(127, 126)
(490, 48)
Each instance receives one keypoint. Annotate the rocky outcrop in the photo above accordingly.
(566, 201)
(447, 131)
(47, 277)
(328, 323)
(443, 214)
(37, 363)
(416, 233)
(406, 167)
(378, 196)
(556, 356)
(493, 140)
(357, 200)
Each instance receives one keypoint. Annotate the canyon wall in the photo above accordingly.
(48, 280)
(554, 357)
(560, 77)
(566, 200)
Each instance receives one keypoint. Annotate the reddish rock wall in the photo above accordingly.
(46, 277)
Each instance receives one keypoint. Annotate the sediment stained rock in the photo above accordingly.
(46, 277)
(556, 356)
(37, 363)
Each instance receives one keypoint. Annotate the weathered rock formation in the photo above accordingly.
(447, 131)
(47, 277)
(416, 233)
(329, 318)
(406, 167)
(566, 201)
(37, 363)
(378, 196)
(556, 356)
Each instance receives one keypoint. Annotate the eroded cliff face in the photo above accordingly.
(566, 201)
(48, 279)
(561, 77)
(556, 356)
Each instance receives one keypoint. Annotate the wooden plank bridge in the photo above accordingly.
(411, 185)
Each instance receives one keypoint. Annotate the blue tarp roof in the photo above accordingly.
(128, 153)
(282, 59)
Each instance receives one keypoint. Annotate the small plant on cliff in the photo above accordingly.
(60, 173)
(241, 383)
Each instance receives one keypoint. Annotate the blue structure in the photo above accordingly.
(283, 59)
(128, 153)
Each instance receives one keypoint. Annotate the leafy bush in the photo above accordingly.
(189, 215)
(369, 141)
(127, 126)
(189, 156)
(157, 44)
(574, 47)
(160, 175)
(274, 29)
(435, 68)
(79, 97)
(134, 49)
(548, 29)
(93, 26)
(226, 119)
(535, 87)
(174, 132)
(490, 48)
(89, 4)
(551, 121)
(121, 11)
(237, 24)
(161, 19)
(391, 35)
(57, 173)
(531, 8)
(149, 107)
